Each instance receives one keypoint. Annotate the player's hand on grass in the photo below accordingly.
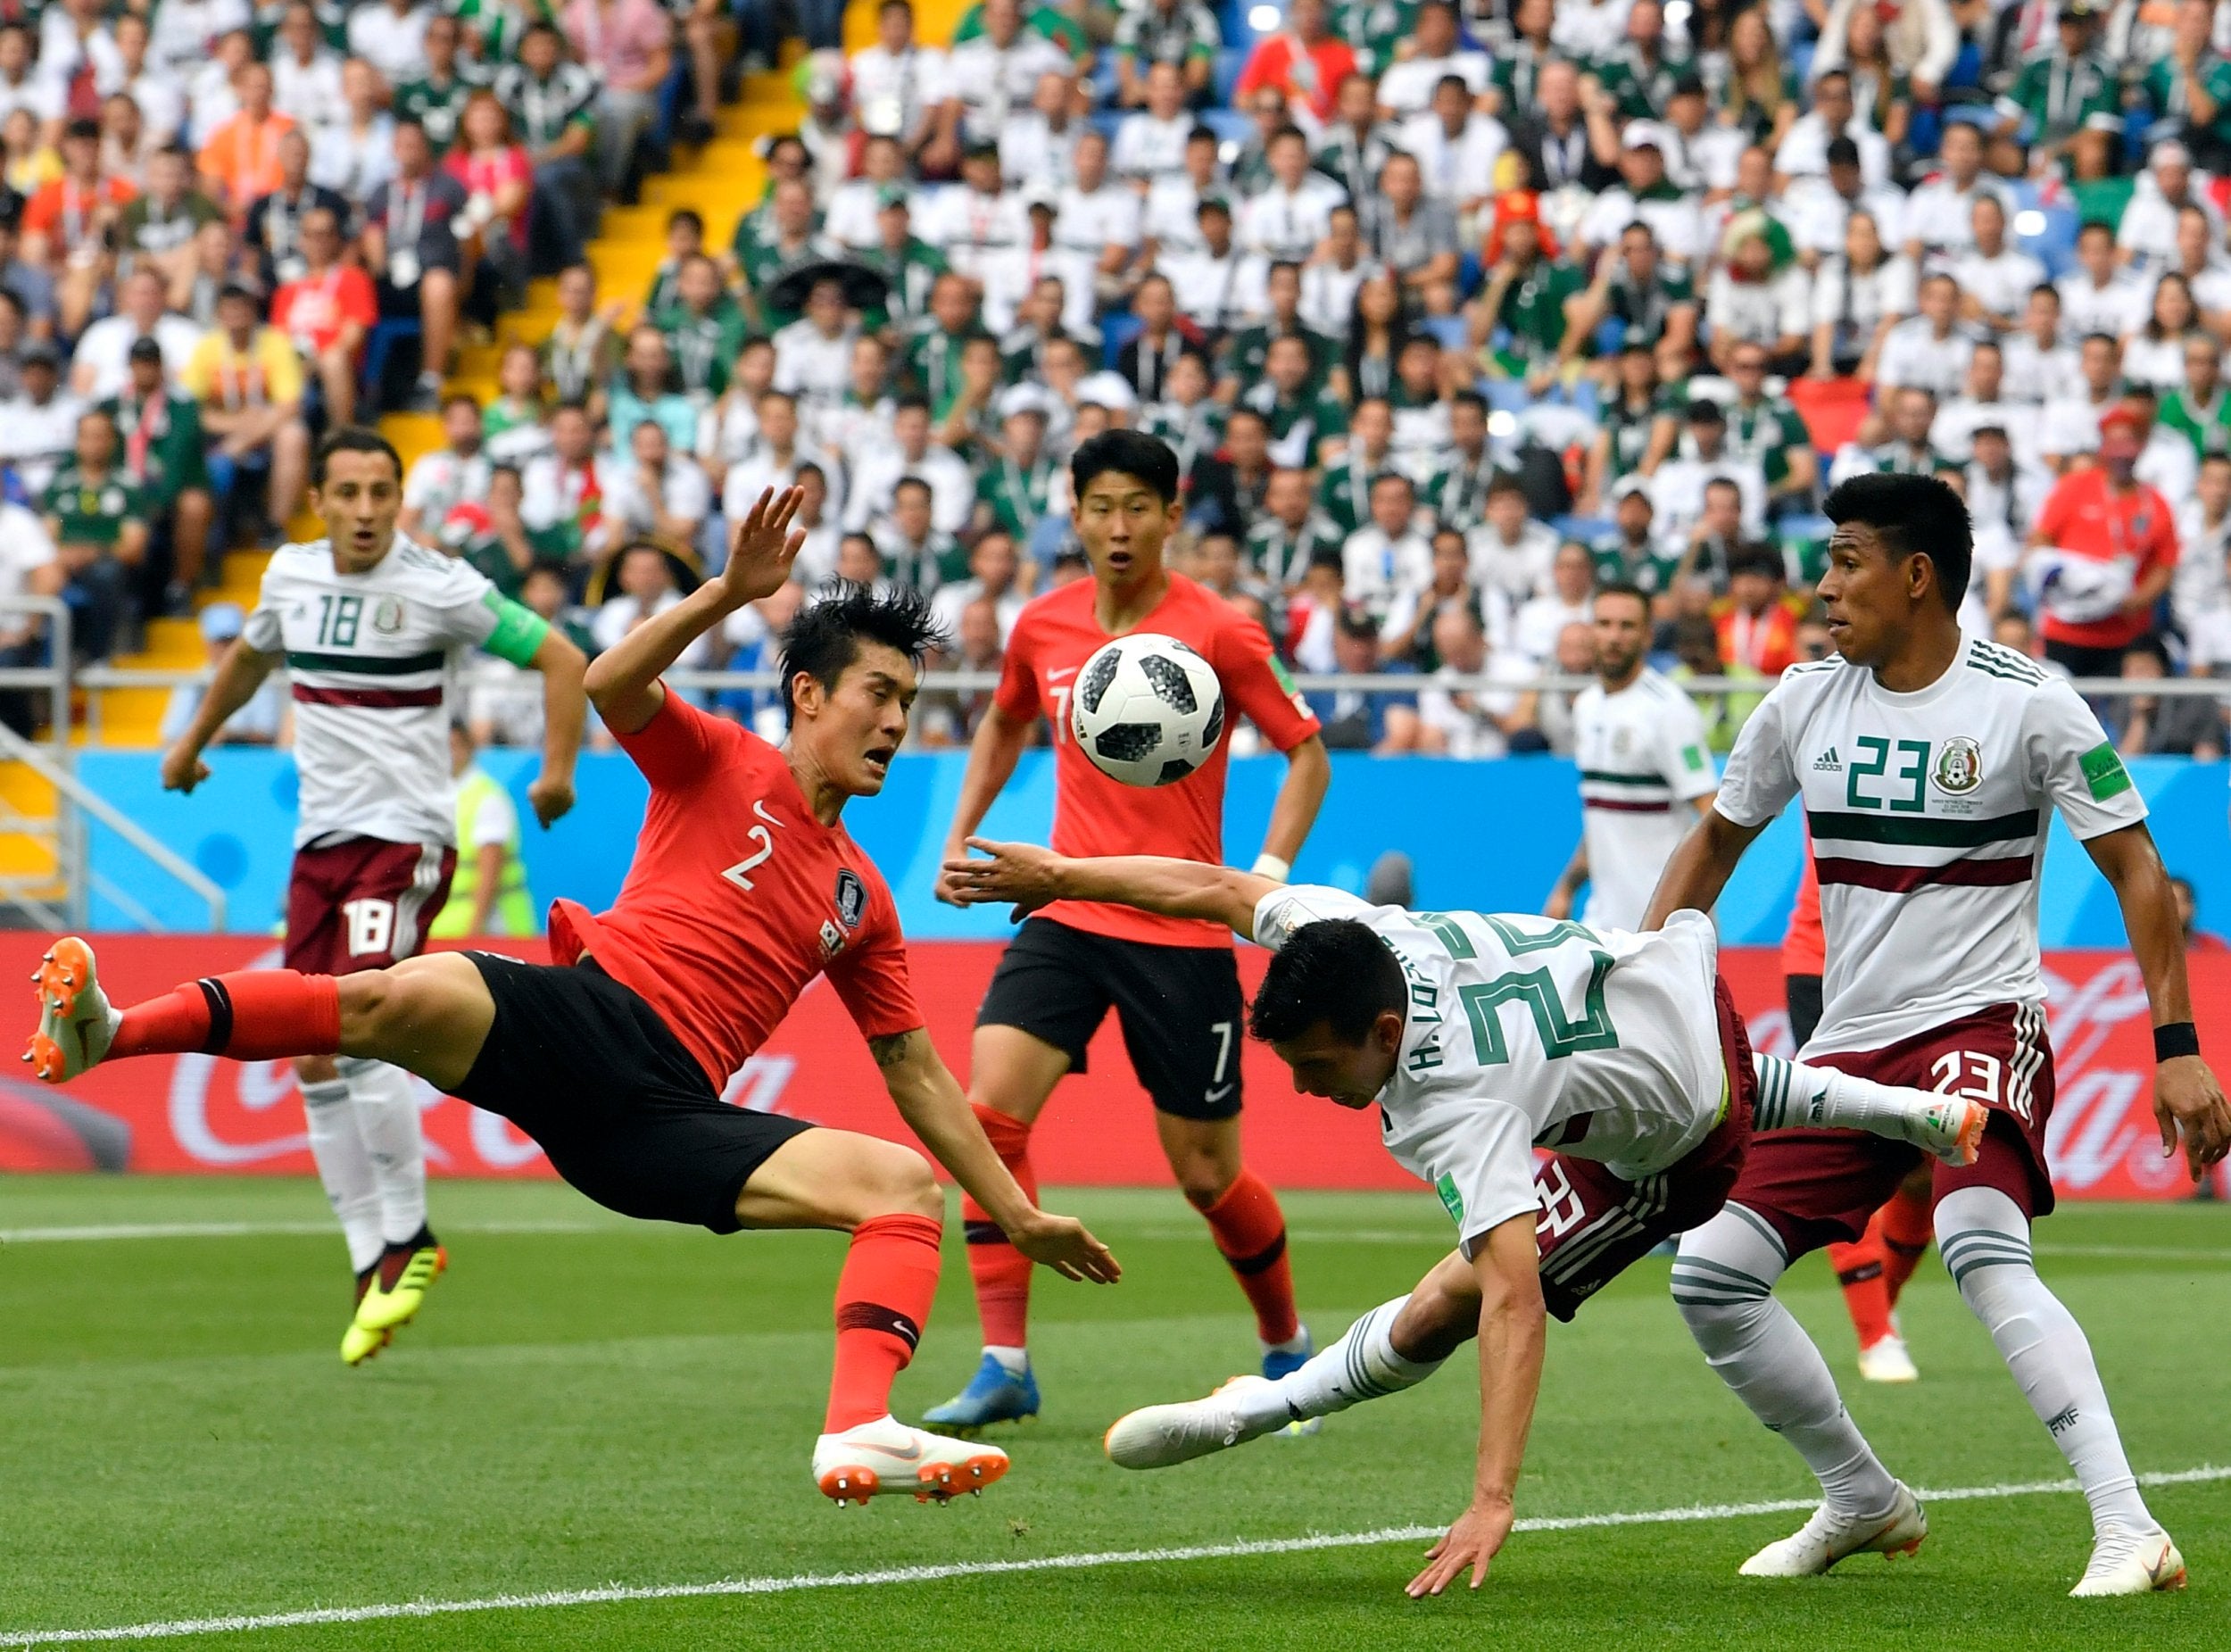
(762, 547)
(2188, 1100)
(551, 796)
(1023, 874)
(1472, 1541)
(1067, 1246)
(183, 768)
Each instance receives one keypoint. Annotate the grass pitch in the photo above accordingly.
(588, 1403)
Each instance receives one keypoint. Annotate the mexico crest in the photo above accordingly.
(1958, 766)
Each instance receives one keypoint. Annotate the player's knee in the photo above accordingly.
(897, 1180)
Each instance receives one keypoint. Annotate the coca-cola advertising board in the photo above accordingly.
(185, 1114)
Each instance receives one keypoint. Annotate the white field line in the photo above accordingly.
(614, 1593)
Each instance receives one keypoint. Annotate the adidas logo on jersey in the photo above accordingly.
(1827, 763)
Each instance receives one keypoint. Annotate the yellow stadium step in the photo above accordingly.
(27, 831)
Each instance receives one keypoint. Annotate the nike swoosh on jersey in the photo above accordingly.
(1055, 677)
(1220, 1093)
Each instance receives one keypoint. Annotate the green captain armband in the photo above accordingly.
(519, 630)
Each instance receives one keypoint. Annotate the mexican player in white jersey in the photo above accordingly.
(1483, 1037)
(1639, 743)
(371, 627)
(1929, 763)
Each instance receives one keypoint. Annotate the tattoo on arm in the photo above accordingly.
(891, 1049)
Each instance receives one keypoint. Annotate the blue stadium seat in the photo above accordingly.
(1115, 332)
(1508, 395)
(1228, 124)
(2054, 244)
(1583, 528)
(1230, 61)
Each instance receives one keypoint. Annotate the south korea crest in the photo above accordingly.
(1959, 766)
(852, 898)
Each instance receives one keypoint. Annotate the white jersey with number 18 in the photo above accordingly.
(1526, 1032)
(1642, 761)
(1928, 812)
(371, 657)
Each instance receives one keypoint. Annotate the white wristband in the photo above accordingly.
(1268, 865)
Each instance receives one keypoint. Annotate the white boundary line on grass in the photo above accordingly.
(613, 1593)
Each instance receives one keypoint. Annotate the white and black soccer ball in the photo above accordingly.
(1146, 709)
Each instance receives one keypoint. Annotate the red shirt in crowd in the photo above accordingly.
(313, 310)
(2086, 518)
(1309, 74)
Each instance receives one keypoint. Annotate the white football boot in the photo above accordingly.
(888, 1455)
(1158, 1436)
(1831, 1536)
(1886, 1360)
(76, 1021)
(2123, 1563)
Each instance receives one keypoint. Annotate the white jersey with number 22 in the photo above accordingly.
(1525, 1032)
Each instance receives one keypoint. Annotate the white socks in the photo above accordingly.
(388, 1117)
(1013, 1361)
(1986, 1245)
(345, 1169)
(1363, 1365)
(1793, 1096)
(1723, 1281)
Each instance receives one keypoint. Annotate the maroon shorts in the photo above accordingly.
(1816, 1187)
(364, 903)
(1593, 1224)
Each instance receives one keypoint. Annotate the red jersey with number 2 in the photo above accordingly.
(738, 898)
(1054, 635)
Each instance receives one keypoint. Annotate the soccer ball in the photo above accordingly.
(1146, 710)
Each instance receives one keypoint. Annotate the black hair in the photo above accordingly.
(909, 482)
(686, 215)
(1127, 452)
(1334, 971)
(825, 637)
(1913, 516)
(1469, 398)
(1626, 588)
(352, 439)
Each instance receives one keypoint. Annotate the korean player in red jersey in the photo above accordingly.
(744, 887)
(1172, 982)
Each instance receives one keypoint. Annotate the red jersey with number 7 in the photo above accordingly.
(737, 898)
(1054, 635)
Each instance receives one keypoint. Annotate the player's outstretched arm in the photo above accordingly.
(565, 708)
(929, 1098)
(1700, 867)
(1028, 877)
(239, 675)
(1513, 1328)
(2187, 1100)
(623, 681)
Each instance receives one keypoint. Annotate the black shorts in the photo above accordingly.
(1180, 1007)
(623, 1111)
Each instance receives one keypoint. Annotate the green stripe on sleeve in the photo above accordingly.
(519, 630)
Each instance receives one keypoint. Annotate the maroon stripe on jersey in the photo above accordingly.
(376, 699)
(1626, 806)
(1904, 880)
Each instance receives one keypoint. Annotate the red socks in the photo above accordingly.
(882, 1302)
(1250, 1230)
(1001, 1273)
(251, 1015)
(1906, 1230)
(1859, 1269)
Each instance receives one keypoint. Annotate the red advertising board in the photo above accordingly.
(196, 1114)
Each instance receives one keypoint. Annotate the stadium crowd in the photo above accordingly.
(1450, 312)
